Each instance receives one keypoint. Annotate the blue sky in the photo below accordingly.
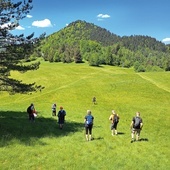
(121, 17)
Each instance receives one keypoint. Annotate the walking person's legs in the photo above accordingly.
(86, 131)
(133, 135)
(137, 134)
(90, 132)
(115, 128)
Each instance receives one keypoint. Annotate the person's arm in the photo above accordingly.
(92, 119)
(58, 114)
(131, 125)
(141, 125)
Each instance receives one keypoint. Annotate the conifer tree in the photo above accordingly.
(15, 48)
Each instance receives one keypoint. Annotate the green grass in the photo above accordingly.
(41, 145)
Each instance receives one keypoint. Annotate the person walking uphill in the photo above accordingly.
(136, 127)
(114, 118)
(94, 100)
(61, 117)
(88, 120)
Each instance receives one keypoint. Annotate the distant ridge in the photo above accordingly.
(82, 41)
(88, 31)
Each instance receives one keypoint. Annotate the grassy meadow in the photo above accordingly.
(42, 145)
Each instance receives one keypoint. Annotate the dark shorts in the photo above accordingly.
(113, 126)
(136, 131)
(88, 129)
(61, 121)
(54, 112)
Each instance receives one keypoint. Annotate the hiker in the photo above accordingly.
(54, 106)
(61, 117)
(114, 118)
(31, 112)
(94, 100)
(88, 120)
(136, 127)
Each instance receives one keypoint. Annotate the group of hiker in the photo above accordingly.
(32, 113)
(61, 115)
(135, 126)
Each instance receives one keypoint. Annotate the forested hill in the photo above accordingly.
(82, 41)
(139, 42)
(88, 31)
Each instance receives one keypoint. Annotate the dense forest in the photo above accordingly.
(82, 41)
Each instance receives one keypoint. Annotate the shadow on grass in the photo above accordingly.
(144, 139)
(98, 138)
(120, 133)
(16, 126)
(141, 140)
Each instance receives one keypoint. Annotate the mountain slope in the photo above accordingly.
(81, 41)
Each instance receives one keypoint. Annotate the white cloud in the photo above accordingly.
(20, 28)
(29, 16)
(42, 23)
(103, 16)
(166, 40)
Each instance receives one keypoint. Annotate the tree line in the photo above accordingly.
(82, 41)
(15, 50)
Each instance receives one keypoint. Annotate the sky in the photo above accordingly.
(121, 17)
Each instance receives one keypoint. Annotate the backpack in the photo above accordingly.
(137, 121)
(89, 120)
(61, 114)
(29, 110)
(115, 119)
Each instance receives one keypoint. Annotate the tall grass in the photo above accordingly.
(42, 145)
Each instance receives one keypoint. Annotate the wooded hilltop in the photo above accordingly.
(82, 41)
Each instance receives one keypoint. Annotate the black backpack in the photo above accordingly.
(29, 110)
(116, 119)
(61, 114)
(137, 121)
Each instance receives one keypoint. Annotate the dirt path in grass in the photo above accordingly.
(159, 85)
